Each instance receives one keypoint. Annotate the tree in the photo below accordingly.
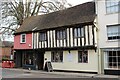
(14, 12)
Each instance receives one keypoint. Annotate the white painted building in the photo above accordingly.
(108, 21)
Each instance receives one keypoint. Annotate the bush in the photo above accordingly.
(4, 58)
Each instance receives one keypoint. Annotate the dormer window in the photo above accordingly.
(23, 38)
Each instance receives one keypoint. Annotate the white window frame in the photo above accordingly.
(112, 6)
(21, 38)
(113, 32)
(111, 64)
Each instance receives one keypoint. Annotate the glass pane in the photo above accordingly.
(85, 57)
(119, 65)
(110, 53)
(61, 35)
(114, 65)
(114, 59)
(110, 59)
(64, 35)
(75, 32)
(114, 53)
(108, 3)
(118, 53)
(82, 32)
(119, 59)
(79, 32)
(108, 10)
(116, 9)
(110, 65)
(58, 36)
(79, 56)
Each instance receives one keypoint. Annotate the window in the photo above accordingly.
(113, 32)
(23, 38)
(82, 56)
(61, 34)
(43, 36)
(28, 58)
(57, 56)
(78, 32)
(112, 6)
(112, 59)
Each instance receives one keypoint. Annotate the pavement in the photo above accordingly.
(67, 73)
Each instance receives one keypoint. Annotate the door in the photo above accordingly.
(18, 59)
(40, 59)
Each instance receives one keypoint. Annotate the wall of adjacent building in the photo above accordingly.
(103, 20)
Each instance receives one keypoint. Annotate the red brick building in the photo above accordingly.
(6, 48)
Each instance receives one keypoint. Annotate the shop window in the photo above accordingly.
(83, 56)
(113, 59)
(57, 56)
(28, 58)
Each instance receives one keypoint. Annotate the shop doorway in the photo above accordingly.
(40, 59)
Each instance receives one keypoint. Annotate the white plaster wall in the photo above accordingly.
(103, 20)
(73, 65)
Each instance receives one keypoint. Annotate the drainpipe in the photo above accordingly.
(98, 49)
(97, 35)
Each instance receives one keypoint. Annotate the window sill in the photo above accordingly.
(113, 40)
(112, 13)
(112, 68)
(82, 63)
(57, 62)
(22, 42)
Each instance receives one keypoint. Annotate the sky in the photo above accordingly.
(76, 2)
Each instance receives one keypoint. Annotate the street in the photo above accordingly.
(9, 74)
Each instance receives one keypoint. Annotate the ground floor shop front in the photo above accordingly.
(62, 60)
(111, 60)
(33, 59)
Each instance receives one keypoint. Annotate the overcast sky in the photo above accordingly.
(76, 2)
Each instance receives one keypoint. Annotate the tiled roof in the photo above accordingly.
(83, 13)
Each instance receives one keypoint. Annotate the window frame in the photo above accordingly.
(81, 52)
(111, 58)
(78, 29)
(53, 54)
(45, 36)
(60, 36)
(115, 6)
(28, 58)
(21, 38)
(118, 34)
